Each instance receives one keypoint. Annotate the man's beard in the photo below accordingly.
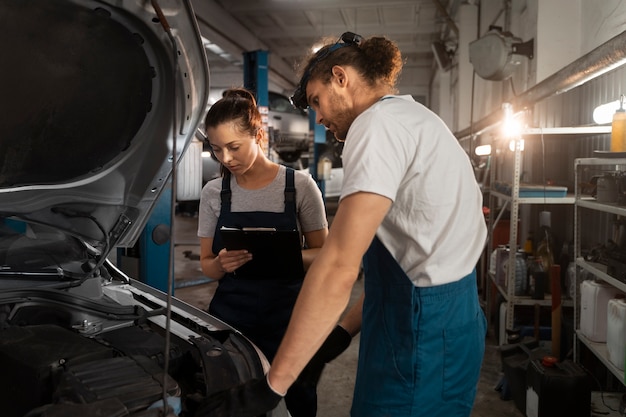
(342, 116)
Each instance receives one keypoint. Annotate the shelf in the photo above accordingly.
(600, 351)
(582, 203)
(527, 300)
(592, 203)
(574, 130)
(569, 199)
(600, 161)
(515, 194)
(599, 270)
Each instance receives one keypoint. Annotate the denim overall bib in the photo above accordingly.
(261, 308)
(421, 349)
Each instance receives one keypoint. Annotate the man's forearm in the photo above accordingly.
(323, 298)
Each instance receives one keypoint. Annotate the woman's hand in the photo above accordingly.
(230, 260)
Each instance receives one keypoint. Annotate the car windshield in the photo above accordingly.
(42, 252)
(282, 104)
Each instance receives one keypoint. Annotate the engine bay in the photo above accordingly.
(67, 354)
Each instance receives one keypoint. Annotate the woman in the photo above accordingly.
(255, 192)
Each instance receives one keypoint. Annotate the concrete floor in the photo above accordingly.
(336, 384)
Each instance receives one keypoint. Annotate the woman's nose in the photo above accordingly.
(226, 156)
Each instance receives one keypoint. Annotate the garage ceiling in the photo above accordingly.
(287, 28)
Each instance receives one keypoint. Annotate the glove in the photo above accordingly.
(250, 399)
(335, 344)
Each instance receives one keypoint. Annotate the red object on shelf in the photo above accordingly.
(549, 361)
(555, 281)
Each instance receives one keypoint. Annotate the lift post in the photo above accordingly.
(255, 76)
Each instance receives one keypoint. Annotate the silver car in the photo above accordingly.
(289, 133)
(100, 98)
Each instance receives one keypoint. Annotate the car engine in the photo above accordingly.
(82, 353)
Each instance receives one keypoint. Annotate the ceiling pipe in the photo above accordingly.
(446, 16)
(604, 58)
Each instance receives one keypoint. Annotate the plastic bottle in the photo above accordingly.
(618, 128)
(545, 249)
(528, 245)
(537, 278)
(521, 273)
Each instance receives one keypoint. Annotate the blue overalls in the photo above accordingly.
(421, 349)
(261, 308)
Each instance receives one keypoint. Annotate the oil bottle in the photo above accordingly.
(618, 128)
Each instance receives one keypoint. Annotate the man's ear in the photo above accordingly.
(340, 76)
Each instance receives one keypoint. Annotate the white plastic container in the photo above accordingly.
(189, 173)
(616, 332)
(594, 298)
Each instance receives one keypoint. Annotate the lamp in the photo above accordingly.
(604, 113)
(483, 150)
(512, 144)
(512, 128)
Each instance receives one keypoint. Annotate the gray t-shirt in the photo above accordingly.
(311, 213)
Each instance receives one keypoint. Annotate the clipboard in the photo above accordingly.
(276, 254)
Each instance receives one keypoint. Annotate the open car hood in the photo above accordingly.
(99, 100)
(96, 94)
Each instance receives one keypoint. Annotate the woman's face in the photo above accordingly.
(235, 150)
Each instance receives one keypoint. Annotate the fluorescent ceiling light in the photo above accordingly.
(604, 113)
(217, 50)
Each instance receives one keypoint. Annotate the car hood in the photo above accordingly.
(99, 98)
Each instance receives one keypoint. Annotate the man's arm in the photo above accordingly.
(328, 285)
(324, 296)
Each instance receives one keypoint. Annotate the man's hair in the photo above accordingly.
(377, 59)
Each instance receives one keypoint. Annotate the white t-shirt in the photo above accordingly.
(435, 227)
(310, 210)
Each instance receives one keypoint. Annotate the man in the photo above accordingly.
(411, 212)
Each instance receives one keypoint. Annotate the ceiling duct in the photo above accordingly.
(496, 55)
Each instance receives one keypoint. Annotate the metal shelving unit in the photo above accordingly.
(590, 205)
(512, 202)
(509, 292)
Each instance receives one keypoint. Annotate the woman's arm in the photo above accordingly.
(351, 319)
(311, 216)
(216, 266)
(314, 241)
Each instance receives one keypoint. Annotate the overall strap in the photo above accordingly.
(290, 192)
(225, 194)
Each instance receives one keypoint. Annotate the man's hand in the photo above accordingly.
(251, 399)
(336, 343)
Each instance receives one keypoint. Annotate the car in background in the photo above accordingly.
(103, 101)
(288, 126)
